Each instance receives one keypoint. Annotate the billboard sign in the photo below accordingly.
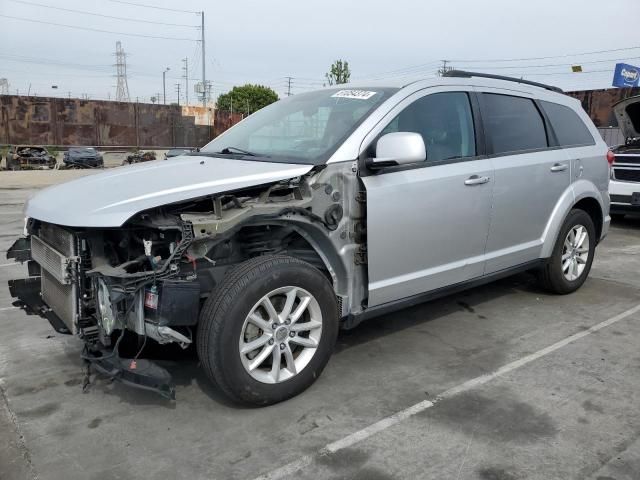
(626, 75)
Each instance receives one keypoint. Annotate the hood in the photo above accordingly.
(628, 115)
(110, 198)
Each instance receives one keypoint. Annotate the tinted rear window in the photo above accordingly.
(513, 124)
(567, 125)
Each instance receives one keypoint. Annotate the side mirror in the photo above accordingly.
(399, 148)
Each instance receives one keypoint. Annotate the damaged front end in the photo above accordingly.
(150, 276)
(97, 284)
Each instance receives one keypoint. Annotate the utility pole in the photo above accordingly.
(289, 85)
(122, 88)
(164, 86)
(204, 78)
(444, 69)
(185, 75)
(178, 90)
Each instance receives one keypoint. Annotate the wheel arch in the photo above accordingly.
(582, 194)
(317, 241)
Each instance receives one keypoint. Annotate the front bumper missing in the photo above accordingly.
(139, 373)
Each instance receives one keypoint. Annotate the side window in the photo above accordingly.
(513, 124)
(445, 122)
(567, 125)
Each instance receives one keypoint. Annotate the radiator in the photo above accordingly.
(54, 250)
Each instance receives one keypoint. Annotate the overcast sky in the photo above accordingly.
(265, 41)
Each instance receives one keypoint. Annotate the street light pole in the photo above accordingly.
(164, 86)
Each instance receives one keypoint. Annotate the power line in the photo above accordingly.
(153, 6)
(405, 71)
(547, 58)
(556, 64)
(575, 74)
(98, 30)
(48, 61)
(83, 12)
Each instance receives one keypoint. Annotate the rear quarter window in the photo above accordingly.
(569, 128)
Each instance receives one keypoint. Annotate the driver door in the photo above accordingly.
(428, 223)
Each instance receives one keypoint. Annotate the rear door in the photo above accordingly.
(427, 224)
(531, 174)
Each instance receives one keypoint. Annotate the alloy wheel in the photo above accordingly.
(280, 335)
(575, 252)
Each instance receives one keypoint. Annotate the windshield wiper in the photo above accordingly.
(232, 150)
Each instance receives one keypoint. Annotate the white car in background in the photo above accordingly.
(624, 188)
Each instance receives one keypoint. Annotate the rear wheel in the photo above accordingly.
(572, 256)
(268, 330)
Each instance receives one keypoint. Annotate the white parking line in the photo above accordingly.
(360, 435)
(9, 264)
(2, 309)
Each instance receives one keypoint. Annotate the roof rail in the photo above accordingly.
(464, 74)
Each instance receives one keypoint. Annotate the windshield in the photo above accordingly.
(305, 128)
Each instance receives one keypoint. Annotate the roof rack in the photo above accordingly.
(464, 74)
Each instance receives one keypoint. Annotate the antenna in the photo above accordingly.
(122, 89)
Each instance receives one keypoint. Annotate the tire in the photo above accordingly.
(225, 324)
(552, 277)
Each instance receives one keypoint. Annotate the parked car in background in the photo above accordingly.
(176, 152)
(139, 156)
(29, 157)
(315, 213)
(624, 187)
(83, 157)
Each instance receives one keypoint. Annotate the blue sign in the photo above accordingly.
(626, 75)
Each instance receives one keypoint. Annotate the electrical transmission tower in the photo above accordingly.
(122, 88)
(185, 75)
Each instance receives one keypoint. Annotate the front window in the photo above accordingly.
(305, 128)
(445, 122)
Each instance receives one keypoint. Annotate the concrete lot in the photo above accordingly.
(562, 413)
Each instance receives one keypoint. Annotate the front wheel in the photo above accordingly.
(572, 256)
(268, 330)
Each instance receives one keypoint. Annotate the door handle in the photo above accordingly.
(476, 180)
(559, 167)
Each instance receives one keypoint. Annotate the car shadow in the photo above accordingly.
(467, 300)
(185, 368)
(630, 221)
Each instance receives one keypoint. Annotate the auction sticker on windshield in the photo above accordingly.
(359, 94)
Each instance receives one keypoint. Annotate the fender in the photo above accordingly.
(578, 190)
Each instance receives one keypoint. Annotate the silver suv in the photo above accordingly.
(316, 213)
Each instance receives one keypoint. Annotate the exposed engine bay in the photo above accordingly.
(151, 276)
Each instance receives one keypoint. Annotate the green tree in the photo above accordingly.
(339, 73)
(246, 98)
